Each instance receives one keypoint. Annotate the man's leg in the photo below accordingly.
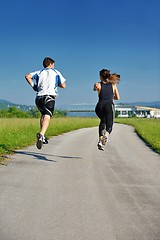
(46, 107)
(44, 123)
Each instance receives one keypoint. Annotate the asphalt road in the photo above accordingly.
(69, 190)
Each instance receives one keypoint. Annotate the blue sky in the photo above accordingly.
(82, 37)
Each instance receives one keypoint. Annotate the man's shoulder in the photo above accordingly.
(56, 71)
(52, 70)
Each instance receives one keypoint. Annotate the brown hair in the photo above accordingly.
(47, 61)
(108, 77)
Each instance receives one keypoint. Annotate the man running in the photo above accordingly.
(45, 82)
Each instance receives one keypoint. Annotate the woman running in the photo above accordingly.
(107, 92)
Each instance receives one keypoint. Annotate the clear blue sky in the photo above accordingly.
(83, 37)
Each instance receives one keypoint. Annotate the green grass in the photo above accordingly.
(147, 129)
(18, 133)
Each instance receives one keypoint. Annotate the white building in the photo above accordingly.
(138, 111)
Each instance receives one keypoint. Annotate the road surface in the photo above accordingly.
(69, 190)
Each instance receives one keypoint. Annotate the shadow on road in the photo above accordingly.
(44, 156)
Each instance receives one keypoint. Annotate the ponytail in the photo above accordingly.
(114, 78)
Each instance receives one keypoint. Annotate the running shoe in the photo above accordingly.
(45, 140)
(100, 147)
(104, 137)
(39, 143)
(107, 136)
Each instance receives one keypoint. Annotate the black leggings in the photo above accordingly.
(105, 112)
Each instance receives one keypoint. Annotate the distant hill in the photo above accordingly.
(155, 104)
(4, 104)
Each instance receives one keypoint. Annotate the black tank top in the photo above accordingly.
(106, 93)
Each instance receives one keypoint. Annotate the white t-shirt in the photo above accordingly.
(47, 81)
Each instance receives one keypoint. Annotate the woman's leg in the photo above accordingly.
(109, 117)
(101, 114)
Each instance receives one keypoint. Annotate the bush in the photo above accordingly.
(14, 112)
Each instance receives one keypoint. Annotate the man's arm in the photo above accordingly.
(28, 77)
(62, 85)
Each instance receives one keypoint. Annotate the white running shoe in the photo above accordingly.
(45, 140)
(100, 147)
(39, 143)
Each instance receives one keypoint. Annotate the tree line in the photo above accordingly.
(14, 112)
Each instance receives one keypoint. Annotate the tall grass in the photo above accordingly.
(147, 129)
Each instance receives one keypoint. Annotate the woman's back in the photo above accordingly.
(106, 93)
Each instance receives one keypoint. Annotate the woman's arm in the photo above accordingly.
(97, 87)
(116, 93)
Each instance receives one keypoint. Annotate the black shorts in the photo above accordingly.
(45, 104)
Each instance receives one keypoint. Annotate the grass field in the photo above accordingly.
(147, 129)
(18, 133)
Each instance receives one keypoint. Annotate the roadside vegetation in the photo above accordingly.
(16, 133)
(147, 129)
(18, 129)
(14, 112)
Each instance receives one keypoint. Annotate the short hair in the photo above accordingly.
(47, 61)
